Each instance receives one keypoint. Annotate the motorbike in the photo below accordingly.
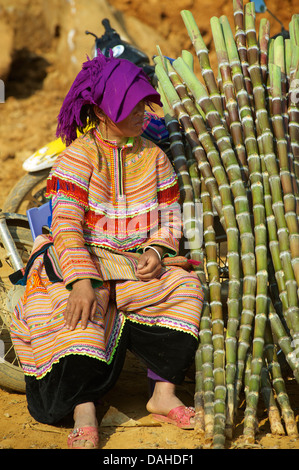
(29, 191)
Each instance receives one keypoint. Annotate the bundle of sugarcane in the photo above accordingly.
(235, 147)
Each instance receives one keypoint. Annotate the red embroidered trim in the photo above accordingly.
(56, 185)
(169, 195)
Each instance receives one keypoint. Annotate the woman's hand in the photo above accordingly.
(149, 265)
(81, 305)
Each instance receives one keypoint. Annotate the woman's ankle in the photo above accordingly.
(85, 415)
(163, 398)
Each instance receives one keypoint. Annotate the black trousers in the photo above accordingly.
(78, 379)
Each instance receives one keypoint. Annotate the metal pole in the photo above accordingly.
(9, 244)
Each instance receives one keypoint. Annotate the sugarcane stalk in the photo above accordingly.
(190, 223)
(259, 220)
(187, 57)
(293, 111)
(233, 260)
(264, 32)
(241, 207)
(243, 117)
(279, 384)
(272, 235)
(205, 336)
(247, 372)
(279, 60)
(204, 61)
(217, 319)
(199, 154)
(257, 349)
(204, 387)
(199, 417)
(289, 348)
(201, 140)
(268, 396)
(230, 98)
(271, 165)
(285, 176)
(288, 59)
(293, 105)
(240, 39)
(206, 383)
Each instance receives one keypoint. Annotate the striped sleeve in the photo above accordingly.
(68, 187)
(169, 230)
(67, 229)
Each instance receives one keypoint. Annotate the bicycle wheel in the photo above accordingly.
(28, 192)
(11, 373)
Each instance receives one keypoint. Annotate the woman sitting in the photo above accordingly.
(106, 280)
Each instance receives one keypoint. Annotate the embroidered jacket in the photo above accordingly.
(109, 199)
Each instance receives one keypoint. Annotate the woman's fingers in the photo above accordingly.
(81, 305)
(149, 266)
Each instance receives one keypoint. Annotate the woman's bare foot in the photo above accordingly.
(84, 415)
(163, 399)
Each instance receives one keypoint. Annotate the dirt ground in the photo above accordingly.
(43, 44)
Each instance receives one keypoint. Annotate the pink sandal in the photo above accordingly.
(179, 416)
(86, 433)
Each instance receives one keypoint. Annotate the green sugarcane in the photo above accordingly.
(258, 206)
(285, 176)
(268, 98)
(279, 60)
(288, 58)
(293, 111)
(256, 181)
(195, 181)
(201, 140)
(206, 357)
(247, 371)
(269, 400)
(272, 233)
(289, 348)
(187, 56)
(279, 384)
(271, 165)
(232, 239)
(240, 39)
(241, 206)
(293, 108)
(221, 90)
(205, 335)
(217, 319)
(203, 165)
(191, 229)
(264, 32)
(230, 97)
(204, 61)
(199, 393)
(257, 353)
(215, 305)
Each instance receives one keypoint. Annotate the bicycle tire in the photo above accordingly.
(11, 373)
(27, 192)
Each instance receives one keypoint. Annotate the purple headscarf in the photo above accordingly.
(115, 85)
